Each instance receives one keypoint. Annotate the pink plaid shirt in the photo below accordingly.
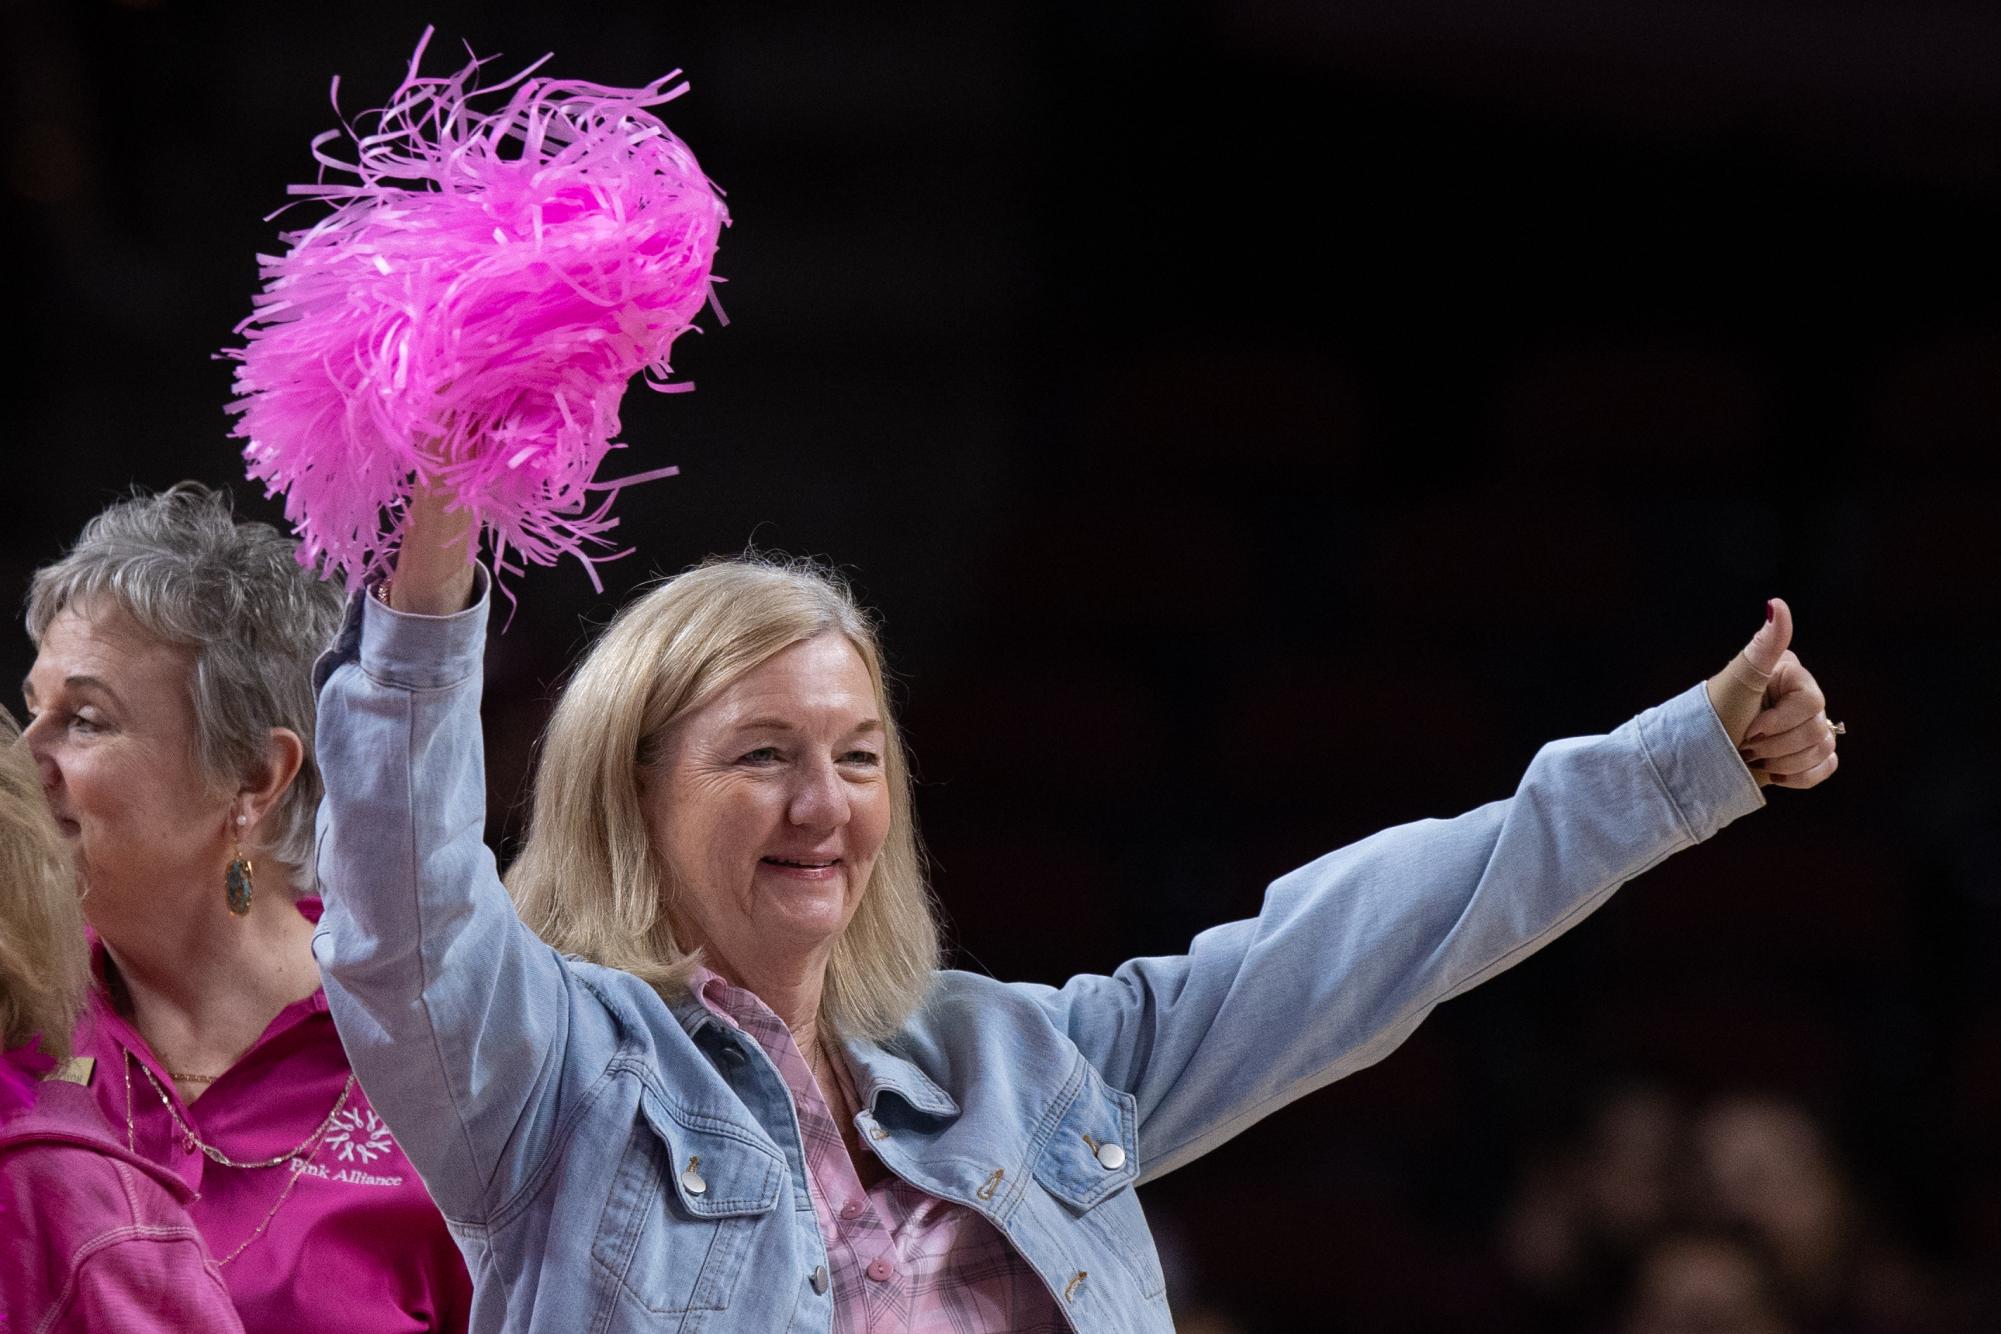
(902, 1261)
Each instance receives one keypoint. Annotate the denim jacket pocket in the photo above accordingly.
(1091, 1164)
(682, 1208)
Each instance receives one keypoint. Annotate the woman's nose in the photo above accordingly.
(36, 738)
(820, 801)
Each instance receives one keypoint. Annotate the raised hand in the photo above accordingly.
(1774, 710)
(433, 561)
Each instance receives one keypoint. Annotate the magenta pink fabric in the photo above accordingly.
(357, 1247)
(900, 1261)
(98, 1241)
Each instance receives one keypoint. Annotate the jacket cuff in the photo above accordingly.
(406, 650)
(1697, 763)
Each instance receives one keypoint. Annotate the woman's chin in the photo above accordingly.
(806, 911)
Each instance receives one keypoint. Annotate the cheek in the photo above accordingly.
(163, 797)
(93, 792)
(729, 831)
(678, 834)
(704, 825)
(133, 817)
(870, 821)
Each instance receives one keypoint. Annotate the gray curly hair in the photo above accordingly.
(187, 571)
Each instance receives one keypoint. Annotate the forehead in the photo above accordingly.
(822, 675)
(103, 641)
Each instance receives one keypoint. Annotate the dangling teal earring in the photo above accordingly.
(236, 881)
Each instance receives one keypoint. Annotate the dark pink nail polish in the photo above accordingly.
(1768, 611)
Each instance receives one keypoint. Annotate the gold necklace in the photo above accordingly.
(298, 1171)
(209, 1151)
(824, 1074)
(309, 1147)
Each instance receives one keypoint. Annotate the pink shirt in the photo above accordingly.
(900, 1261)
(354, 1243)
(98, 1240)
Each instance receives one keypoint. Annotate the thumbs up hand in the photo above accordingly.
(1773, 708)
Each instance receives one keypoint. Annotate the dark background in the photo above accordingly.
(1257, 424)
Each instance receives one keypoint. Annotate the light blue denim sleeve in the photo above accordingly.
(452, 1012)
(1352, 951)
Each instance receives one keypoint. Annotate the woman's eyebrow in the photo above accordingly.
(74, 683)
(782, 725)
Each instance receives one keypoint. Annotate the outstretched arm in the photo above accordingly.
(1350, 953)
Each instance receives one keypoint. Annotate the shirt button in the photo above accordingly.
(1112, 1156)
(880, 1270)
(819, 1280)
(691, 1181)
(733, 1055)
(851, 1210)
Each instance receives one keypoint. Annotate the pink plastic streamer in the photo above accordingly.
(469, 312)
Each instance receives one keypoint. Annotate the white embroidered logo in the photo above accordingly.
(359, 1134)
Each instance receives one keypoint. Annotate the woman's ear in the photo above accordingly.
(266, 784)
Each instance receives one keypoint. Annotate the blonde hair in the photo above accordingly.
(43, 966)
(589, 880)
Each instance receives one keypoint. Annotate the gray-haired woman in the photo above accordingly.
(728, 1087)
(173, 725)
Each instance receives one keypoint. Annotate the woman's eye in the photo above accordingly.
(762, 755)
(862, 757)
(82, 723)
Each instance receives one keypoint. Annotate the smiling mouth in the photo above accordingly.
(800, 864)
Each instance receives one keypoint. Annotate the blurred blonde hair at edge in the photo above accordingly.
(43, 967)
(588, 879)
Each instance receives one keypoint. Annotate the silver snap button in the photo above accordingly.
(819, 1280)
(1111, 1156)
(691, 1181)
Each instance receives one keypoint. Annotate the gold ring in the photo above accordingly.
(1836, 729)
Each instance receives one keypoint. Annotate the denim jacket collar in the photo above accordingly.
(877, 1070)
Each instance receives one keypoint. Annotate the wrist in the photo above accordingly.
(423, 597)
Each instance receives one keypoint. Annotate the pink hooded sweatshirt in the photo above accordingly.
(97, 1238)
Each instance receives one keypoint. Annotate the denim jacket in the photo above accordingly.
(610, 1160)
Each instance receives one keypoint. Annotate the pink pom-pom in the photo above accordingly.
(470, 311)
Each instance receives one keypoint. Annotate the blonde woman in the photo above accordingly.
(727, 1087)
(99, 1238)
